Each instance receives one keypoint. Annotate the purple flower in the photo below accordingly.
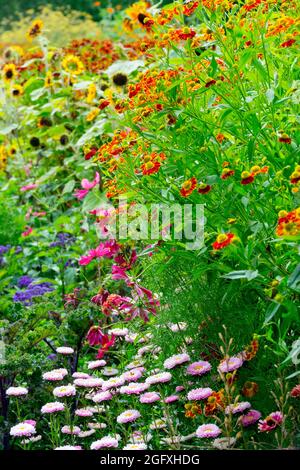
(63, 239)
(250, 418)
(24, 281)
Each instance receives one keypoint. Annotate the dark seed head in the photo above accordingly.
(120, 79)
(34, 142)
(44, 121)
(64, 139)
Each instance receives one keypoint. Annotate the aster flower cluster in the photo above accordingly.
(32, 290)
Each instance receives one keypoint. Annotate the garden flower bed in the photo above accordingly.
(149, 231)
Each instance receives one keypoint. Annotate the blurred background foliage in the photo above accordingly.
(64, 19)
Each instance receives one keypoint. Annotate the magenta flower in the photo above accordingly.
(87, 186)
(250, 418)
(105, 250)
(270, 422)
(28, 187)
(239, 407)
(94, 336)
(171, 399)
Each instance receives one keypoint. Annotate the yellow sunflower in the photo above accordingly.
(91, 93)
(92, 114)
(72, 65)
(12, 150)
(35, 29)
(48, 80)
(9, 72)
(16, 91)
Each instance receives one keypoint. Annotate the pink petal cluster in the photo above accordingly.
(22, 429)
(208, 430)
(199, 393)
(52, 407)
(250, 418)
(198, 368)
(149, 397)
(161, 377)
(64, 391)
(87, 186)
(230, 364)
(105, 442)
(128, 416)
(16, 391)
(105, 250)
(176, 360)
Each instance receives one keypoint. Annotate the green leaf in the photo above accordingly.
(93, 201)
(7, 129)
(294, 279)
(68, 188)
(271, 311)
(247, 274)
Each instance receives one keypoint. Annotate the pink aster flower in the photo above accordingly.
(102, 396)
(28, 187)
(64, 350)
(251, 417)
(132, 375)
(83, 413)
(140, 446)
(149, 397)
(71, 430)
(113, 383)
(270, 422)
(176, 360)
(199, 393)
(30, 421)
(105, 442)
(64, 391)
(134, 388)
(162, 377)
(89, 382)
(16, 391)
(53, 376)
(208, 430)
(198, 368)
(179, 388)
(171, 399)
(96, 364)
(237, 407)
(128, 416)
(80, 375)
(68, 448)
(52, 407)
(230, 364)
(22, 429)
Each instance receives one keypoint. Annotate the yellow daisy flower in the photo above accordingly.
(17, 90)
(92, 114)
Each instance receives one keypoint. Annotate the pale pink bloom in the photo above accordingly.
(102, 396)
(72, 430)
(83, 413)
(87, 433)
(175, 327)
(199, 393)
(159, 423)
(30, 421)
(132, 375)
(230, 364)
(52, 407)
(113, 383)
(179, 388)
(171, 399)
(80, 375)
(53, 376)
(135, 447)
(28, 187)
(134, 388)
(105, 442)
(97, 426)
(135, 364)
(118, 331)
(68, 448)
(22, 429)
(64, 391)
(149, 397)
(162, 377)
(176, 360)
(16, 391)
(110, 371)
(208, 430)
(237, 407)
(128, 416)
(64, 350)
(96, 364)
(89, 383)
(198, 368)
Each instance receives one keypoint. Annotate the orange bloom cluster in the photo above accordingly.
(248, 177)
(192, 410)
(166, 15)
(189, 9)
(281, 25)
(289, 223)
(95, 55)
(250, 389)
(223, 240)
(251, 350)
(295, 176)
(152, 163)
(215, 402)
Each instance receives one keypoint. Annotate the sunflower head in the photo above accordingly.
(120, 79)
(72, 65)
(9, 72)
(35, 29)
(16, 91)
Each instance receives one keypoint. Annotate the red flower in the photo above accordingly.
(295, 392)
(226, 173)
(90, 154)
(104, 104)
(94, 336)
(288, 43)
(204, 188)
(285, 139)
(188, 187)
(106, 343)
(247, 178)
(223, 240)
(210, 83)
